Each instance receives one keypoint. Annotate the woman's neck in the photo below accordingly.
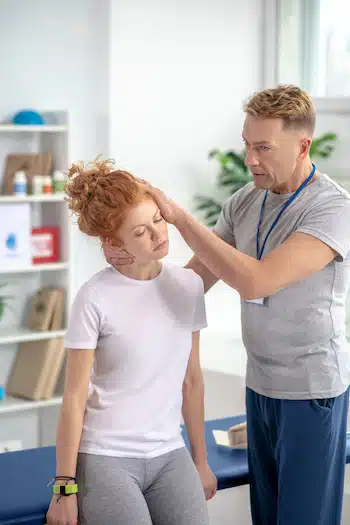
(141, 271)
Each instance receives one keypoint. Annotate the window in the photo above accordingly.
(314, 46)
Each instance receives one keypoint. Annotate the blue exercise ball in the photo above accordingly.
(28, 117)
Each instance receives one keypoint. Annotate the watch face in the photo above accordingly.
(65, 490)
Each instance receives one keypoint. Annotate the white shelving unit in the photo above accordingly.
(42, 128)
(11, 199)
(48, 267)
(15, 404)
(21, 335)
(22, 419)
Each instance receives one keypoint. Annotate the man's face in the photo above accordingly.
(273, 152)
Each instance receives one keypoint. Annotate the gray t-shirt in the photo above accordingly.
(296, 343)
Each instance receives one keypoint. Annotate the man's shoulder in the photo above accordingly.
(245, 192)
(333, 188)
(247, 196)
(328, 193)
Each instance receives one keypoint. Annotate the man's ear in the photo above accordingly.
(305, 144)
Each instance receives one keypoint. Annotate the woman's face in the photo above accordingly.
(144, 233)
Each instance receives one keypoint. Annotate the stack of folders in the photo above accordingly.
(38, 364)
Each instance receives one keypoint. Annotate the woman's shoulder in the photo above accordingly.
(185, 276)
(90, 290)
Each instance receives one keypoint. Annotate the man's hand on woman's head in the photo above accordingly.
(115, 255)
(169, 210)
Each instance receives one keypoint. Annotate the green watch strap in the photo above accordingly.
(65, 490)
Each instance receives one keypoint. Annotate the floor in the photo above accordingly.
(224, 397)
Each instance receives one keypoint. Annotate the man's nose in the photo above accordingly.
(251, 159)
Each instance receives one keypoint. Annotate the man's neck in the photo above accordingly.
(298, 177)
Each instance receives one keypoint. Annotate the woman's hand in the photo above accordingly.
(209, 481)
(63, 511)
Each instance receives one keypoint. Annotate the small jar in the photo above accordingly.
(20, 184)
(59, 181)
(37, 184)
(47, 184)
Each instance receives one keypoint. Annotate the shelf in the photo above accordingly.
(11, 199)
(22, 335)
(45, 267)
(17, 404)
(42, 128)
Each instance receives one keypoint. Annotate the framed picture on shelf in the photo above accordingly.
(15, 238)
(45, 245)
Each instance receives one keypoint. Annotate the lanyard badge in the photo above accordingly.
(259, 252)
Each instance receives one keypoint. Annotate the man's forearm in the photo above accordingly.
(238, 270)
(193, 414)
(209, 279)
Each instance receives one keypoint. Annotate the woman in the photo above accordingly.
(133, 364)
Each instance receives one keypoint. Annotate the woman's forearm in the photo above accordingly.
(68, 436)
(193, 414)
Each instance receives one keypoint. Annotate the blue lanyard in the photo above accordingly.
(259, 252)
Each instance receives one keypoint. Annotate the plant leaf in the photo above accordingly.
(322, 147)
(238, 160)
(206, 202)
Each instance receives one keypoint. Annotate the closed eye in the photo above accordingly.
(159, 220)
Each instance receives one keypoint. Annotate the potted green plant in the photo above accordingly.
(234, 174)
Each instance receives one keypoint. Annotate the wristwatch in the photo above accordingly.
(65, 490)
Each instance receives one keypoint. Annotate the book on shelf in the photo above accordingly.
(57, 365)
(38, 364)
(46, 310)
(36, 369)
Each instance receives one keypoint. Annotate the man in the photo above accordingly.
(283, 243)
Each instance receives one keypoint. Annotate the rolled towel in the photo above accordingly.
(234, 437)
(237, 436)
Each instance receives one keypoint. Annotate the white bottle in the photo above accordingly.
(59, 181)
(37, 184)
(20, 184)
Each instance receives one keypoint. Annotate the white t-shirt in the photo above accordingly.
(142, 332)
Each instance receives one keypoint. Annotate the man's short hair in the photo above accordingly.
(287, 102)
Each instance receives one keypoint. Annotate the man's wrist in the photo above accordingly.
(180, 217)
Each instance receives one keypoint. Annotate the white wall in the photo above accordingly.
(179, 74)
(55, 55)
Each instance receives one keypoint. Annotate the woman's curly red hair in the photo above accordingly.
(101, 196)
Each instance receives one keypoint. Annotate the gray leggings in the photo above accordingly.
(165, 490)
